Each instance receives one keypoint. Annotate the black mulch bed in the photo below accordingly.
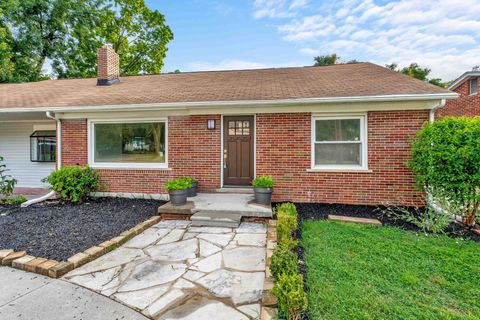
(320, 211)
(57, 230)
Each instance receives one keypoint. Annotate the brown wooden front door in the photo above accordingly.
(238, 140)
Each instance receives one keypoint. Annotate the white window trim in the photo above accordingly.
(470, 87)
(364, 142)
(115, 165)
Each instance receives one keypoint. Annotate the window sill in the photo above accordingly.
(127, 167)
(339, 170)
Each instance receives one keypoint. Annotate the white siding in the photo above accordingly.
(15, 148)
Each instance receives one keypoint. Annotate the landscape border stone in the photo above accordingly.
(55, 269)
(269, 302)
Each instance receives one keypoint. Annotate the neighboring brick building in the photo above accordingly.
(468, 103)
(334, 134)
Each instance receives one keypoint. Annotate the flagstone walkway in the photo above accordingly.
(176, 271)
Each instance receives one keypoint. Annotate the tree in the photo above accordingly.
(68, 33)
(326, 60)
(6, 65)
(417, 72)
(446, 163)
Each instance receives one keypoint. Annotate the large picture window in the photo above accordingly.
(339, 142)
(141, 144)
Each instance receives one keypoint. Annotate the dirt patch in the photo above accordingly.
(57, 230)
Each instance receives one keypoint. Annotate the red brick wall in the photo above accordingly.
(284, 151)
(192, 151)
(465, 105)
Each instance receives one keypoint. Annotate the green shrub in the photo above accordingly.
(263, 182)
(7, 183)
(290, 294)
(446, 163)
(427, 220)
(178, 184)
(284, 261)
(287, 223)
(191, 180)
(74, 183)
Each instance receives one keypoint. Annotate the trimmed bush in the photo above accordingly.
(178, 184)
(287, 223)
(291, 296)
(284, 261)
(74, 184)
(446, 163)
(263, 182)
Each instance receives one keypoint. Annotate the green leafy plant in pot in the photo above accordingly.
(192, 191)
(263, 188)
(178, 191)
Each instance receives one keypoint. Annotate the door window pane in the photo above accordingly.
(130, 142)
(337, 130)
(337, 154)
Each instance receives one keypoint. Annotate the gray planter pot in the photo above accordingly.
(178, 197)
(192, 192)
(263, 196)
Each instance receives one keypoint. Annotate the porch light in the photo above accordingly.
(211, 124)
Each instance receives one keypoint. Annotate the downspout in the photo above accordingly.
(430, 200)
(59, 138)
(49, 114)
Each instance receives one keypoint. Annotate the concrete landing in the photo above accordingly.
(216, 219)
(374, 222)
(220, 202)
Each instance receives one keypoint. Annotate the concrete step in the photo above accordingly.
(235, 190)
(216, 219)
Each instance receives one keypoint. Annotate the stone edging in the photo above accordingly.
(130, 195)
(55, 269)
(269, 302)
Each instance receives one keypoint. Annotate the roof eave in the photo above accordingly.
(238, 103)
(465, 76)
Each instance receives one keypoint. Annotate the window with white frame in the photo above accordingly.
(137, 144)
(473, 86)
(339, 142)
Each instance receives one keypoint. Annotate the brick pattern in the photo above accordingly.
(465, 105)
(284, 151)
(108, 63)
(193, 150)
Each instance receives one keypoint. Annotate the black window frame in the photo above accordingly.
(42, 136)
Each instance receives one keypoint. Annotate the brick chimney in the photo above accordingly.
(108, 66)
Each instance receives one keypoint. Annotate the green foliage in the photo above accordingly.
(284, 260)
(74, 183)
(11, 202)
(178, 184)
(287, 223)
(428, 220)
(291, 297)
(191, 180)
(414, 70)
(326, 60)
(68, 32)
(263, 182)
(7, 183)
(446, 162)
(364, 272)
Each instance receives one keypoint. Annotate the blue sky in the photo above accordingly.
(237, 34)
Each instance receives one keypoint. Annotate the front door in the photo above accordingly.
(238, 140)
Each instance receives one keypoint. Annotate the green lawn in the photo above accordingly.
(363, 272)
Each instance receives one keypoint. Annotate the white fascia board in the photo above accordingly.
(457, 82)
(237, 103)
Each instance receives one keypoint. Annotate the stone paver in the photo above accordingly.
(176, 271)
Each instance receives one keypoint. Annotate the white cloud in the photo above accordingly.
(439, 34)
(277, 8)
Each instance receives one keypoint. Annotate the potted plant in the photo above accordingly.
(263, 188)
(178, 191)
(192, 191)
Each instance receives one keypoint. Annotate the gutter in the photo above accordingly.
(49, 114)
(239, 103)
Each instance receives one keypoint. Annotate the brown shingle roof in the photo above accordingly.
(361, 79)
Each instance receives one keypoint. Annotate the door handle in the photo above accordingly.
(225, 158)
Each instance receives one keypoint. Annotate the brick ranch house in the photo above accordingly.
(468, 103)
(334, 134)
